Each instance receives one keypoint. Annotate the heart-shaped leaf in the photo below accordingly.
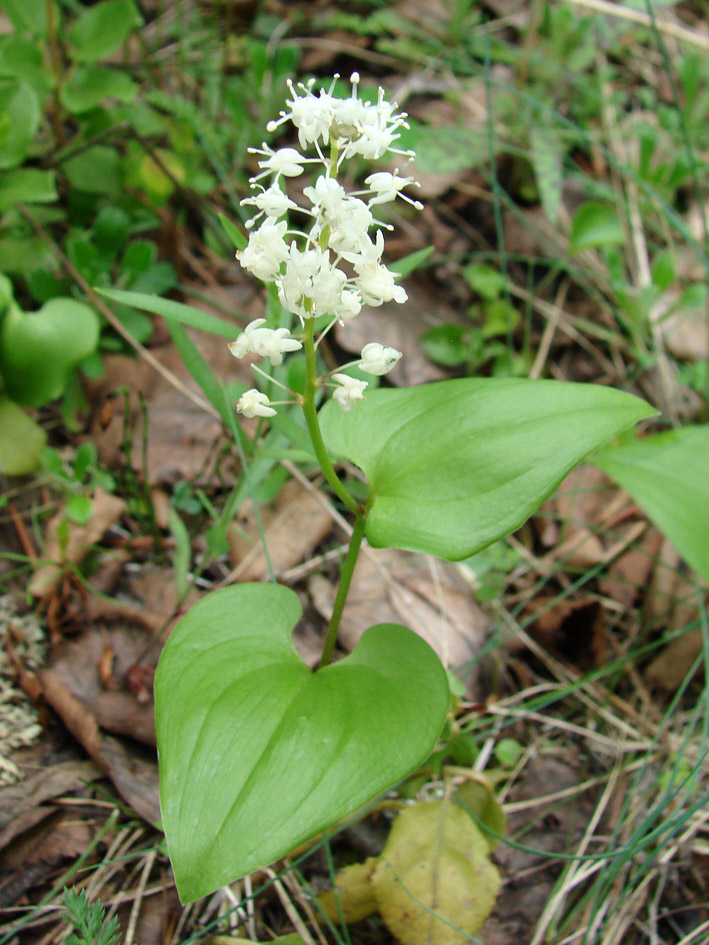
(38, 350)
(257, 753)
(454, 466)
(668, 475)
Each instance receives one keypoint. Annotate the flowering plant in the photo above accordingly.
(257, 753)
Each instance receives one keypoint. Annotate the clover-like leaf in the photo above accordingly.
(668, 475)
(38, 350)
(453, 466)
(257, 753)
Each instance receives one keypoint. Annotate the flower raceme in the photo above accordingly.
(333, 265)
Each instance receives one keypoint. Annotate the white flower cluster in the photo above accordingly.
(333, 266)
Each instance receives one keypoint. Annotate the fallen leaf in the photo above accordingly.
(181, 435)
(77, 665)
(135, 778)
(670, 668)
(426, 594)
(434, 882)
(105, 510)
(294, 525)
(28, 797)
(35, 855)
(353, 897)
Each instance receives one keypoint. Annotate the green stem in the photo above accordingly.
(343, 587)
(311, 418)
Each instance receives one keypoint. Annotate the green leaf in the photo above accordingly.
(407, 264)
(454, 466)
(485, 280)
(257, 753)
(667, 475)
(39, 350)
(174, 311)
(235, 235)
(199, 369)
(79, 509)
(183, 553)
(23, 255)
(27, 185)
(594, 225)
(88, 87)
(101, 29)
(28, 16)
(21, 58)
(21, 440)
(96, 171)
(20, 115)
(446, 344)
(547, 160)
(445, 149)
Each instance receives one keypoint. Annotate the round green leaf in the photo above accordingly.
(38, 350)
(668, 475)
(594, 225)
(96, 171)
(20, 115)
(454, 466)
(257, 753)
(100, 30)
(21, 440)
(88, 87)
(27, 185)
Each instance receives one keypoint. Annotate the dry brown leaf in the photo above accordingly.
(686, 334)
(135, 777)
(579, 504)
(181, 436)
(426, 594)
(671, 599)
(106, 509)
(669, 669)
(27, 798)
(36, 854)
(117, 709)
(294, 525)
(627, 575)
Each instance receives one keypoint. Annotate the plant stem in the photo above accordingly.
(342, 589)
(311, 418)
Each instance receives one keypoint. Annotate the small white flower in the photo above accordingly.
(312, 115)
(376, 283)
(272, 202)
(244, 344)
(266, 250)
(378, 359)
(286, 161)
(386, 187)
(349, 306)
(269, 343)
(253, 403)
(349, 391)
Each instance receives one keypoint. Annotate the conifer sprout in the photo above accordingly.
(333, 265)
